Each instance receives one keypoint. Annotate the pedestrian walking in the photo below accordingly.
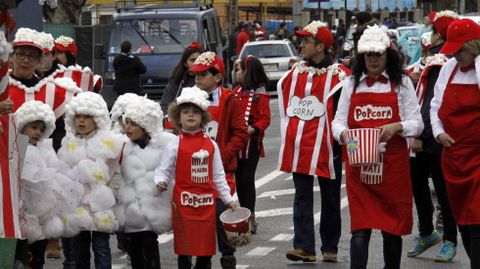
(307, 107)
(128, 69)
(374, 200)
(455, 114)
(256, 109)
(195, 161)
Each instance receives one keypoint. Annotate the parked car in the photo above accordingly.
(277, 57)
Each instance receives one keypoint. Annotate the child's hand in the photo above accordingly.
(6, 106)
(232, 205)
(162, 186)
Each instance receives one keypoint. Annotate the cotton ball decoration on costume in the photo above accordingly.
(53, 227)
(119, 212)
(47, 42)
(87, 103)
(373, 39)
(68, 84)
(90, 172)
(159, 211)
(106, 145)
(33, 230)
(195, 96)
(126, 194)
(79, 220)
(35, 111)
(105, 221)
(132, 168)
(145, 187)
(134, 217)
(100, 198)
(147, 114)
(118, 108)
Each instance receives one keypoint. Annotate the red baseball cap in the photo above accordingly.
(443, 19)
(431, 16)
(318, 30)
(459, 32)
(66, 44)
(206, 61)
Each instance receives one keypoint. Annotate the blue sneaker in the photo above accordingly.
(424, 243)
(447, 252)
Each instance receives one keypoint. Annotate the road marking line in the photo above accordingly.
(259, 251)
(273, 194)
(118, 266)
(282, 237)
(291, 177)
(165, 238)
(274, 212)
(242, 266)
(264, 180)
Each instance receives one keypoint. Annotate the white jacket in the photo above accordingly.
(48, 193)
(141, 207)
(91, 161)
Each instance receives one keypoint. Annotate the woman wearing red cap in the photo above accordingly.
(455, 116)
(377, 85)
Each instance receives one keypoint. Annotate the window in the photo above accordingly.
(267, 51)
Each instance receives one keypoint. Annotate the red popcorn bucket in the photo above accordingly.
(237, 225)
(362, 146)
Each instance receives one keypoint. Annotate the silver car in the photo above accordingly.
(277, 57)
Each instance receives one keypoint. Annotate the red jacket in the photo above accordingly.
(232, 130)
(260, 113)
(242, 38)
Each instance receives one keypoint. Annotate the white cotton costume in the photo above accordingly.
(91, 160)
(141, 207)
(47, 191)
(118, 109)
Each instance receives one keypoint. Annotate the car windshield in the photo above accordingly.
(267, 51)
(154, 35)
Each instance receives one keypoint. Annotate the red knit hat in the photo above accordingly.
(443, 19)
(459, 32)
(66, 44)
(318, 30)
(206, 61)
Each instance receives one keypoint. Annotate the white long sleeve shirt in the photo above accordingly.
(411, 119)
(166, 171)
(468, 77)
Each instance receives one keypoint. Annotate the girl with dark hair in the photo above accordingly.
(379, 96)
(256, 107)
(181, 78)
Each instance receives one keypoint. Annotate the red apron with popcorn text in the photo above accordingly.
(460, 116)
(386, 206)
(194, 194)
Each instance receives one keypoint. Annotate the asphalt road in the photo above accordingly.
(275, 231)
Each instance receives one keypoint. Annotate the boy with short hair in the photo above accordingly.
(227, 127)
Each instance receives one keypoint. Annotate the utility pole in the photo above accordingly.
(461, 7)
(297, 7)
(232, 15)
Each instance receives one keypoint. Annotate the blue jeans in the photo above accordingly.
(330, 218)
(100, 246)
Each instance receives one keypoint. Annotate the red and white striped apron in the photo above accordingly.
(83, 77)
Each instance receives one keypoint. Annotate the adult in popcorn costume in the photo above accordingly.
(426, 161)
(46, 190)
(455, 115)
(91, 152)
(375, 201)
(307, 97)
(142, 211)
(195, 162)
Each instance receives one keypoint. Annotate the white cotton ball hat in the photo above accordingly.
(373, 39)
(35, 110)
(195, 96)
(118, 108)
(147, 114)
(87, 103)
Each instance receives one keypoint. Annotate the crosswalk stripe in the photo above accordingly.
(282, 237)
(238, 266)
(273, 194)
(259, 251)
(274, 212)
(264, 180)
(165, 237)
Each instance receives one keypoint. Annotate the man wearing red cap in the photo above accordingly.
(455, 117)
(307, 103)
(227, 127)
(426, 162)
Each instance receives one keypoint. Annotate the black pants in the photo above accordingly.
(202, 262)
(422, 167)
(143, 250)
(392, 249)
(37, 250)
(474, 246)
(224, 246)
(69, 253)
(330, 218)
(100, 245)
(245, 178)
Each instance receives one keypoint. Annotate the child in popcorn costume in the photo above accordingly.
(91, 152)
(142, 211)
(43, 183)
(118, 109)
(194, 160)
